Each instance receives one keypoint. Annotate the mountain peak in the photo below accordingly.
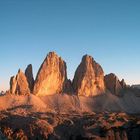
(89, 78)
(52, 76)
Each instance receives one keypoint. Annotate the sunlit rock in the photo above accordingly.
(52, 76)
(19, 84)
(89, 78)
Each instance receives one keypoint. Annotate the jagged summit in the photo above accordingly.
(52, 79)
(87, 57)
(52, 54)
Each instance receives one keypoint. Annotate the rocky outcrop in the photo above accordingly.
(52, 76)
(19, 84)
(89, 78)
(29, 76)
(113, 84)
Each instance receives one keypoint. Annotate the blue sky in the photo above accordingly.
(109, 30)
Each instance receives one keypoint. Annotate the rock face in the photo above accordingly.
(113, 84)
(52, 76)
(89, 78)
(19, 84)
(29, 76)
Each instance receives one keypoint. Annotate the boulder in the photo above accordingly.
(89, 78)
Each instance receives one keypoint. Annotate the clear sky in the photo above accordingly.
(109, 30)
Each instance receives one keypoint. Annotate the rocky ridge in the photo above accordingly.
(89, 79)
